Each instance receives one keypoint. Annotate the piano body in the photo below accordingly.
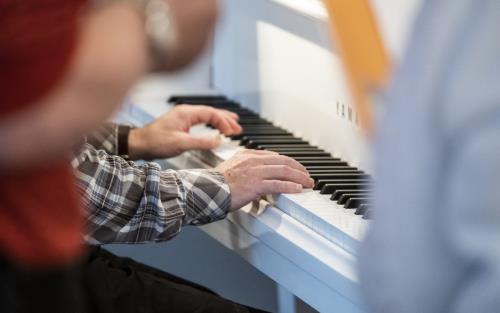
(276, 66)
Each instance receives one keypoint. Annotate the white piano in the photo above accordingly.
(276, 58)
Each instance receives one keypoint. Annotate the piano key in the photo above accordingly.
(361, 210)
(326, 163)
(346, 196)
(177, 98)
(291, 147)
(246, 139)
(298, 149)
(340, 192)
(263, 134)
(340, 176)
(247, 122)
(293, 154)
(354, 203)
(256, 143)
(310, 168)
(219, 104)
(321, 183)
(330, 188)
(342, 170)
(368, 214)
(315, 158)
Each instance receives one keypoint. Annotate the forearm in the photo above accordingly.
(129, 203)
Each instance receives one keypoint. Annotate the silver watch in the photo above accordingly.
(160, 28)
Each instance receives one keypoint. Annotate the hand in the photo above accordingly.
(252, 174)
(168, 135)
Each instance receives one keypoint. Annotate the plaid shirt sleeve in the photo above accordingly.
(105, 138)
(130, 203)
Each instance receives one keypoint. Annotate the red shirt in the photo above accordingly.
(40, 221)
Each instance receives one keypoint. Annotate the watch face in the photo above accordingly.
(159, 26)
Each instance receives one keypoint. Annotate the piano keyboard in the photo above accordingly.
(338, 207)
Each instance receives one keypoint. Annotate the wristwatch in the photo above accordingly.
(122, 142)
(160, 28)
(159, 25)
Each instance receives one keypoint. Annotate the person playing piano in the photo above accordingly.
(130, 203)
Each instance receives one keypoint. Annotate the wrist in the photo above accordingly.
(137, 144)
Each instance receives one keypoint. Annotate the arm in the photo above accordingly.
(131, 203)
(168, 135)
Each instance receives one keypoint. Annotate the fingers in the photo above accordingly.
(283, 173)
(278, 186)
(226, 122)
(281, 160)
(189, 142)
(253, 173)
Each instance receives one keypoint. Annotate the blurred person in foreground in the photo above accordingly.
(434, 244)
(66, 65)
(121, 52)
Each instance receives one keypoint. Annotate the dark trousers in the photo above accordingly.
(55, 290)
(121, 285)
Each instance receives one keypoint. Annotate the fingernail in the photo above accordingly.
(298, 187)
(311, 182)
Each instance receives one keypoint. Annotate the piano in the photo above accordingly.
(274, 65)
(338, 207)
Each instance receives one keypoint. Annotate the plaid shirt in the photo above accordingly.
(130, 203)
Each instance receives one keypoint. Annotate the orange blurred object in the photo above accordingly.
(363, 53)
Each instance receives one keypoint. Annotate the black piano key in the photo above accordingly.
(262, 128)
(368, 214)
(252, 144)
(361, 210)
(316, 158)
(333, 171)
(330, 188)
(294, 154)
(246, 139)
(177, 98)
(291, 147)
(259, 133)
(264, 132)
(253, 122)
(346, 196)
(220, 104)
(320, 176)
(326, 168)
(287, 150)
(254, 119)
(319, 183)
(354, 203)
(326, 163)
(322, 184)
(339, 192)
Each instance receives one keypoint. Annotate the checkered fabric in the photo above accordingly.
(130, 203)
